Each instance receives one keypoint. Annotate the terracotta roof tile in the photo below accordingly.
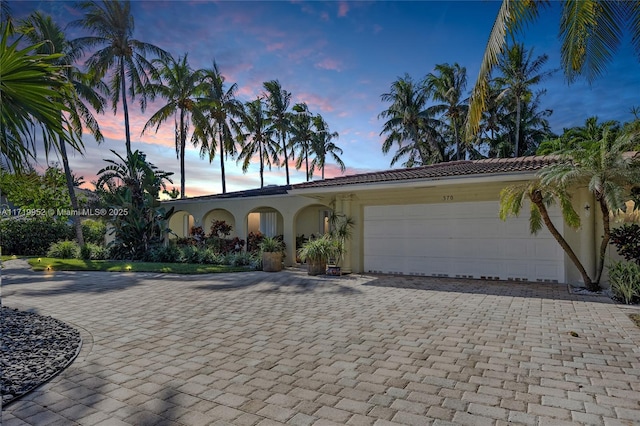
(440, 170)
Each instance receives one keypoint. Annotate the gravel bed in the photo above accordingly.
(34, 349)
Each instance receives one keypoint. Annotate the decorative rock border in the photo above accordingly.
(35, 349)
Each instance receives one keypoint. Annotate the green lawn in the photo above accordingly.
(50, 264)
(8, 257)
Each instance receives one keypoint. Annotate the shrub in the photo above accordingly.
(191, 254)
(220, 229)
(92, 251)
(94, 231)
(165, 254)
(241, 259)
(64, 250)
(625, 281)
(31, 237)
(210, 257)
(271, 245)
(627, 241)
(253, 241)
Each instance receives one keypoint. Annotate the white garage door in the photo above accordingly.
(459, 240)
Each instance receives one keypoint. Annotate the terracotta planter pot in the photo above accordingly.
(272, 262)
(316, 267)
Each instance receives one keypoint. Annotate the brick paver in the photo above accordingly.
(284, 348)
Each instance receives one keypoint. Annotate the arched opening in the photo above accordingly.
(266, 221)
(219, 215)
(311, 221)
(180, 224)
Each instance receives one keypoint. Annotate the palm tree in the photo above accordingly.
(322, 145)
(598, 160)
(591, 31)
(541, 197)
(409, 125)
(30, 87)
(41, 29)
(278, 101)
(448, 86)
(112, 25)
(519, 71)
(302, 135)
(257, 138)
(219, 126)
(179, 85)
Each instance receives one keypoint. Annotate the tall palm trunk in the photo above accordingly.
(455, 132)
(224, 179)
(518, 113)
(125, 107)
(72, 193)
(261, 168)
(306, 161)
(605, 238)
(183, 145)
(286, 157)
(536, 198)
(323, 171)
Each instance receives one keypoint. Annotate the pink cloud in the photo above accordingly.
(315, 102)
(275, 46)
(330, 64)
(343, 9)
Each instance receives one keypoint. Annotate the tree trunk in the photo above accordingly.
(261, 168)
(224, 179)
(455, 132)
(536, 198)
(323, 172)
(286, 157)
(306, 161)
(72, 194)
(183, 142)
(518, 107)
(605, 238)
(125, 108)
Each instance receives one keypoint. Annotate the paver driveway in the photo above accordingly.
(259, 348)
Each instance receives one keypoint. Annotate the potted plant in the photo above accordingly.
(316, 252)
(271, 249)
(342, 230)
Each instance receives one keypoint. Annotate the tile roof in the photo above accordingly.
(440, 170)
(267, 190)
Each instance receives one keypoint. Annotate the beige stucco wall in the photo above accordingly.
(299, 212)
(455, 191)
(287, 205)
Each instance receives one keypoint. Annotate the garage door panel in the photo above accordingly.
(464, 239)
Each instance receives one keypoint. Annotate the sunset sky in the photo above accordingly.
(338, 57)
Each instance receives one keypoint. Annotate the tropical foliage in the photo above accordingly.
(426, 120)
(596, 156)
(178, 85)
(112, 25)
(30, 87)
(131, 186)
(590, 32)
(42, 31)
(257, 137)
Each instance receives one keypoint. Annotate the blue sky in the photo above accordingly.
(339, 57)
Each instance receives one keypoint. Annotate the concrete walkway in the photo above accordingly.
(260, 349)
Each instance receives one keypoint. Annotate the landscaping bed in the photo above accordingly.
(34, 349)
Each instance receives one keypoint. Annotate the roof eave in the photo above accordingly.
(417, 183)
